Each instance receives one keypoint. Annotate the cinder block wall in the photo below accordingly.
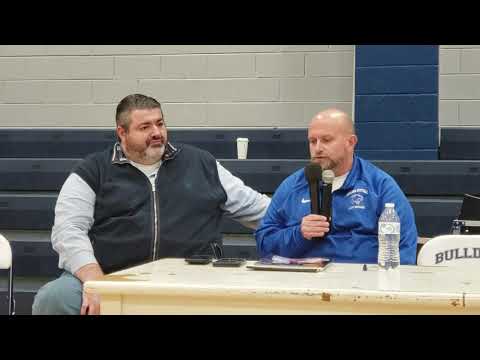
(396, 101)
(199, 85)
(205, 85)
(459, 86)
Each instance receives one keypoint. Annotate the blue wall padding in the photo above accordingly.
(396, 101)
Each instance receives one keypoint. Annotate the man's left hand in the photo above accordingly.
(90, 304)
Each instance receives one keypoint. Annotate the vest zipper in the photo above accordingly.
(155, 217)
(155, 227)
(155, 210)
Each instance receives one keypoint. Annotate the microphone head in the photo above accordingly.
(328, 176)
(313, 172)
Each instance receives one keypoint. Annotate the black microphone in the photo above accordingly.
(326, 209)
(313, 173)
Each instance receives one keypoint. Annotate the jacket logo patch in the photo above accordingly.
(304, 201)
(357, 198)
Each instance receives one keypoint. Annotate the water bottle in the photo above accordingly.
(388, 238)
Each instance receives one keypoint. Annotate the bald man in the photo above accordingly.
(360, 191)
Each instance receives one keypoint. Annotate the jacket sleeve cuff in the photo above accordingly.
(79, 260)
(300, 241)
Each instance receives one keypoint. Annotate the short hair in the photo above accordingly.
(133, 102)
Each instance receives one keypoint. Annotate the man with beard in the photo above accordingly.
(139, 201)
(360, 191)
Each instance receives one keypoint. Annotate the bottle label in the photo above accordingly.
(389, 228)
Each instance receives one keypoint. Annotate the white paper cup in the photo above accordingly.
(242, 148)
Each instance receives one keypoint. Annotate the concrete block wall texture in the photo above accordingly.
(79, 85)
(199, 85)
(459, 86)
(396, 101)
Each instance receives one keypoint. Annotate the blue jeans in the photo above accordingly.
(62, 296)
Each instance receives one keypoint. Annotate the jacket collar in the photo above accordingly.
(352, 175)
(118, 156)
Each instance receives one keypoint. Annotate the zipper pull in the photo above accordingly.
(152, 181)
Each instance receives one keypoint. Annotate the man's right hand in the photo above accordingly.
(314, 226)
(90, 302)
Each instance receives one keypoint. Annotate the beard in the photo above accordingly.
(145, 155)
(325, 163)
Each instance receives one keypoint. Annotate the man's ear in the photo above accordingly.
(352, 140)
(121, 133)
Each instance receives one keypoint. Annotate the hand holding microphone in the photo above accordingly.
(316, 225)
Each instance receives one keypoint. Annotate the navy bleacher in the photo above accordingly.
(53, 142)
(34, 163)
(39, 177)
(60, 143)
(27, 200)
(460, 143)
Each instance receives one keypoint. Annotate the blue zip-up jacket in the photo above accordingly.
(353, 235)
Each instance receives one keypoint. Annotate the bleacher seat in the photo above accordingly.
(459, 143)
(264, 143)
